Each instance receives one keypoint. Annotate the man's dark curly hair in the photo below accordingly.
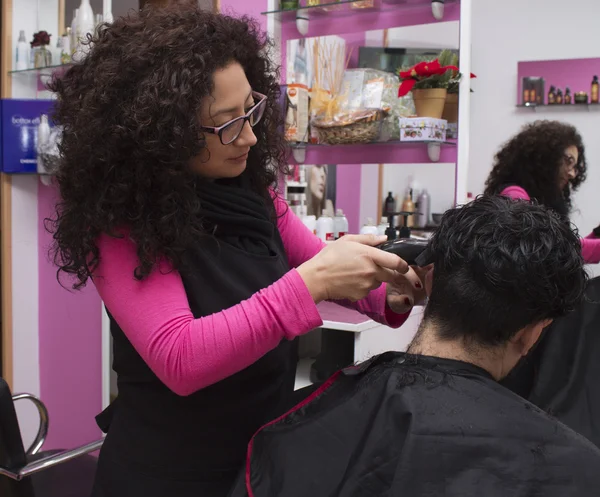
(500, 265)
(130, 112)
(532, 160)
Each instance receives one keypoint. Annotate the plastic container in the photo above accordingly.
(383, 225)
(369, 228)
(423, 210)
(22, 52)
(340, 224)
(325, 229)
(311, 223)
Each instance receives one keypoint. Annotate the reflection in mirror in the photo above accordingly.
(410, 180)
(343, 89)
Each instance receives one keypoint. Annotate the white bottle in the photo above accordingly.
(423, 209)
(325, 229)
(85, 27)
(382, 226)
(340, 224)
(108, 17)
(369, 228)
(311, 223)
(74, 36)
(43, 135)
(22, 52)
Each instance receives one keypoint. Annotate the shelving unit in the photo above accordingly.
(341, 19)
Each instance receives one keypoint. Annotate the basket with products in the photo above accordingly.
(355, 105)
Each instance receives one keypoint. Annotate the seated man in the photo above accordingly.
(434, 421)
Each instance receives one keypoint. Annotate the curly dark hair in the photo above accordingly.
(532, 159)
(500, 265)
(130, 116)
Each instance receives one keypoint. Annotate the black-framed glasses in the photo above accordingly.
(231, 130)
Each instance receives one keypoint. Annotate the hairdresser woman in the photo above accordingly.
(545, 161)
(171, 144)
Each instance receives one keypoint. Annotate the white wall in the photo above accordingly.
(506, 32)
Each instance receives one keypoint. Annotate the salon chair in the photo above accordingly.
(34, 473)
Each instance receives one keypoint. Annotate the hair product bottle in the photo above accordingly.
(409, 206)
(595, 92)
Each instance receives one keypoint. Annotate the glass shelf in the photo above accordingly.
(587, 106)
(40, 70)
(391, 152)
(294, 145)
(348, 7)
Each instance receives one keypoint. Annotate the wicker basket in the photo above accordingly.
(364, 130)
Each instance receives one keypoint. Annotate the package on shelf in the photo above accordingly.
(20, 122)
(296, 113)
(417, 129)
(374, 89)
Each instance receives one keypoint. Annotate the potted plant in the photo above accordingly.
(428, 81)
(450, 113)
(42, 57)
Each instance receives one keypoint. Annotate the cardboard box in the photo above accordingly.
(422, 129)
(19, 128)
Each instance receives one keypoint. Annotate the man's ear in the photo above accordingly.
(527, 337)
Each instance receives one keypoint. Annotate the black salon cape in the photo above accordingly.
(562, 374)
(418, 426)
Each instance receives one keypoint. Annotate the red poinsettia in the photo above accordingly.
(419, 72)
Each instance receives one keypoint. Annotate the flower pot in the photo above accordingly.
(430, 102)
(450, 113)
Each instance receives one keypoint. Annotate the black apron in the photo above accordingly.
(160, 444)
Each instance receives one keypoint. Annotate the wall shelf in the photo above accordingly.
(392, 152)
(40, 70)
(350, 7)
(561, 107)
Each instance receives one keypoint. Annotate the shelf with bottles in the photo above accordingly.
(290, 10)
(374, 153)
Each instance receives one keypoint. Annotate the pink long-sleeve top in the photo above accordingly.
(188, 354)
(590, 245)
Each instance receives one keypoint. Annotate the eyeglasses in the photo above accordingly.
(231, 130)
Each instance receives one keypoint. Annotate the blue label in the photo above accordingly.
(20, 121)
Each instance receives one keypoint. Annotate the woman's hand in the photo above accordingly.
(412, 290)
(350, 268)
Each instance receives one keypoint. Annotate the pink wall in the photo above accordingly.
(577, 74)
(70, 339)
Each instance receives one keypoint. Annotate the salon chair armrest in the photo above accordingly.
(50, 461)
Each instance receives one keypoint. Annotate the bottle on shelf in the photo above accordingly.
(311, 223)
(389, 204)
(595, 90)
(382, 226)
(22, 52)
(369, 228)
(423, 209)
(552, 96)
(559, 97)
(409, 206)
(340, 224)
(325, 229)
(73, 32)
(65, 55)
(84, 27)
(568, 98)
